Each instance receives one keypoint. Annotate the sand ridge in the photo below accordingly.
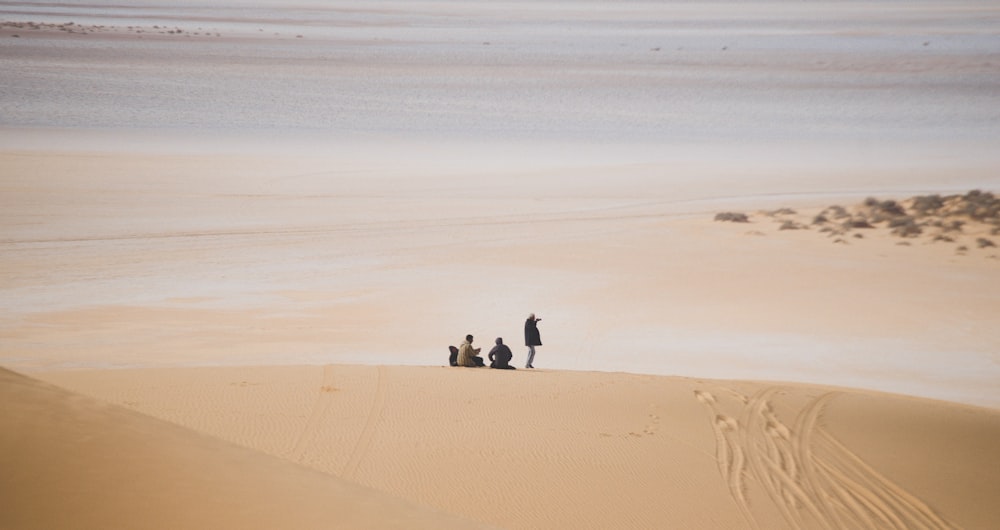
(253, 219)
(563, 449)
(74, 462)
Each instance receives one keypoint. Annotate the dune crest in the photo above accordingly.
(72, 462)
(564, 449)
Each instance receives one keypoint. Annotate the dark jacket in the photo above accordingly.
(500, 356)
(531, 335)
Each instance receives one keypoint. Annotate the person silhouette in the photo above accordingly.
(532, 338)
(469, 356)
(500, 356)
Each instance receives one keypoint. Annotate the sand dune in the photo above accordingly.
(325, 185)
(561, 449)
(72, 462)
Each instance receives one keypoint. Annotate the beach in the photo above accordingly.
(244, 235)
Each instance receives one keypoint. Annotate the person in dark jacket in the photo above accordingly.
(500, 356)
(531, 338)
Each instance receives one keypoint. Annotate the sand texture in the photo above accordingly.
(140, 261)
(74, 462)
(240, 236)
(562, 449)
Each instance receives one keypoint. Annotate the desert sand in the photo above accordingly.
(566, 449)
(74, 462)
(239, 237)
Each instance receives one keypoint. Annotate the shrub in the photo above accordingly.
(924, 204)
(837, 212)
(910, 229)
(891, 208)
(953, 226)
(901, 221)
(732, 217)
(858, 222)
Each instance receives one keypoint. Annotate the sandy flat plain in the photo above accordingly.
(238, 237)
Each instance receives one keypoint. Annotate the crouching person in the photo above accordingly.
(469, 356)
(500, 356)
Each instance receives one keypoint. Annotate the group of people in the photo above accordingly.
(500, 355)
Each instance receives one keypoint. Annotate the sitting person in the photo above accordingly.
(469, 356)
(500, 356)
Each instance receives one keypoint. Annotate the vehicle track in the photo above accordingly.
(811, 478)
(324, 396)
(363, 445)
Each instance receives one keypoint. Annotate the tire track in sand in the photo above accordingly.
(812, 478)
(363, 444)
(729, 455)
(319, 408)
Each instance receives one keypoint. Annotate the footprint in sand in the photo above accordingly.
(705, 397)
(726, 423)
(651, 426)
(654, 421)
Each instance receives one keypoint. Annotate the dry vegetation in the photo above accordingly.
(970, 220)
(16, 29)
(83, 29)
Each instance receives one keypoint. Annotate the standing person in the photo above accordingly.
(500, 356)
(469, 356)
(531, 338)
